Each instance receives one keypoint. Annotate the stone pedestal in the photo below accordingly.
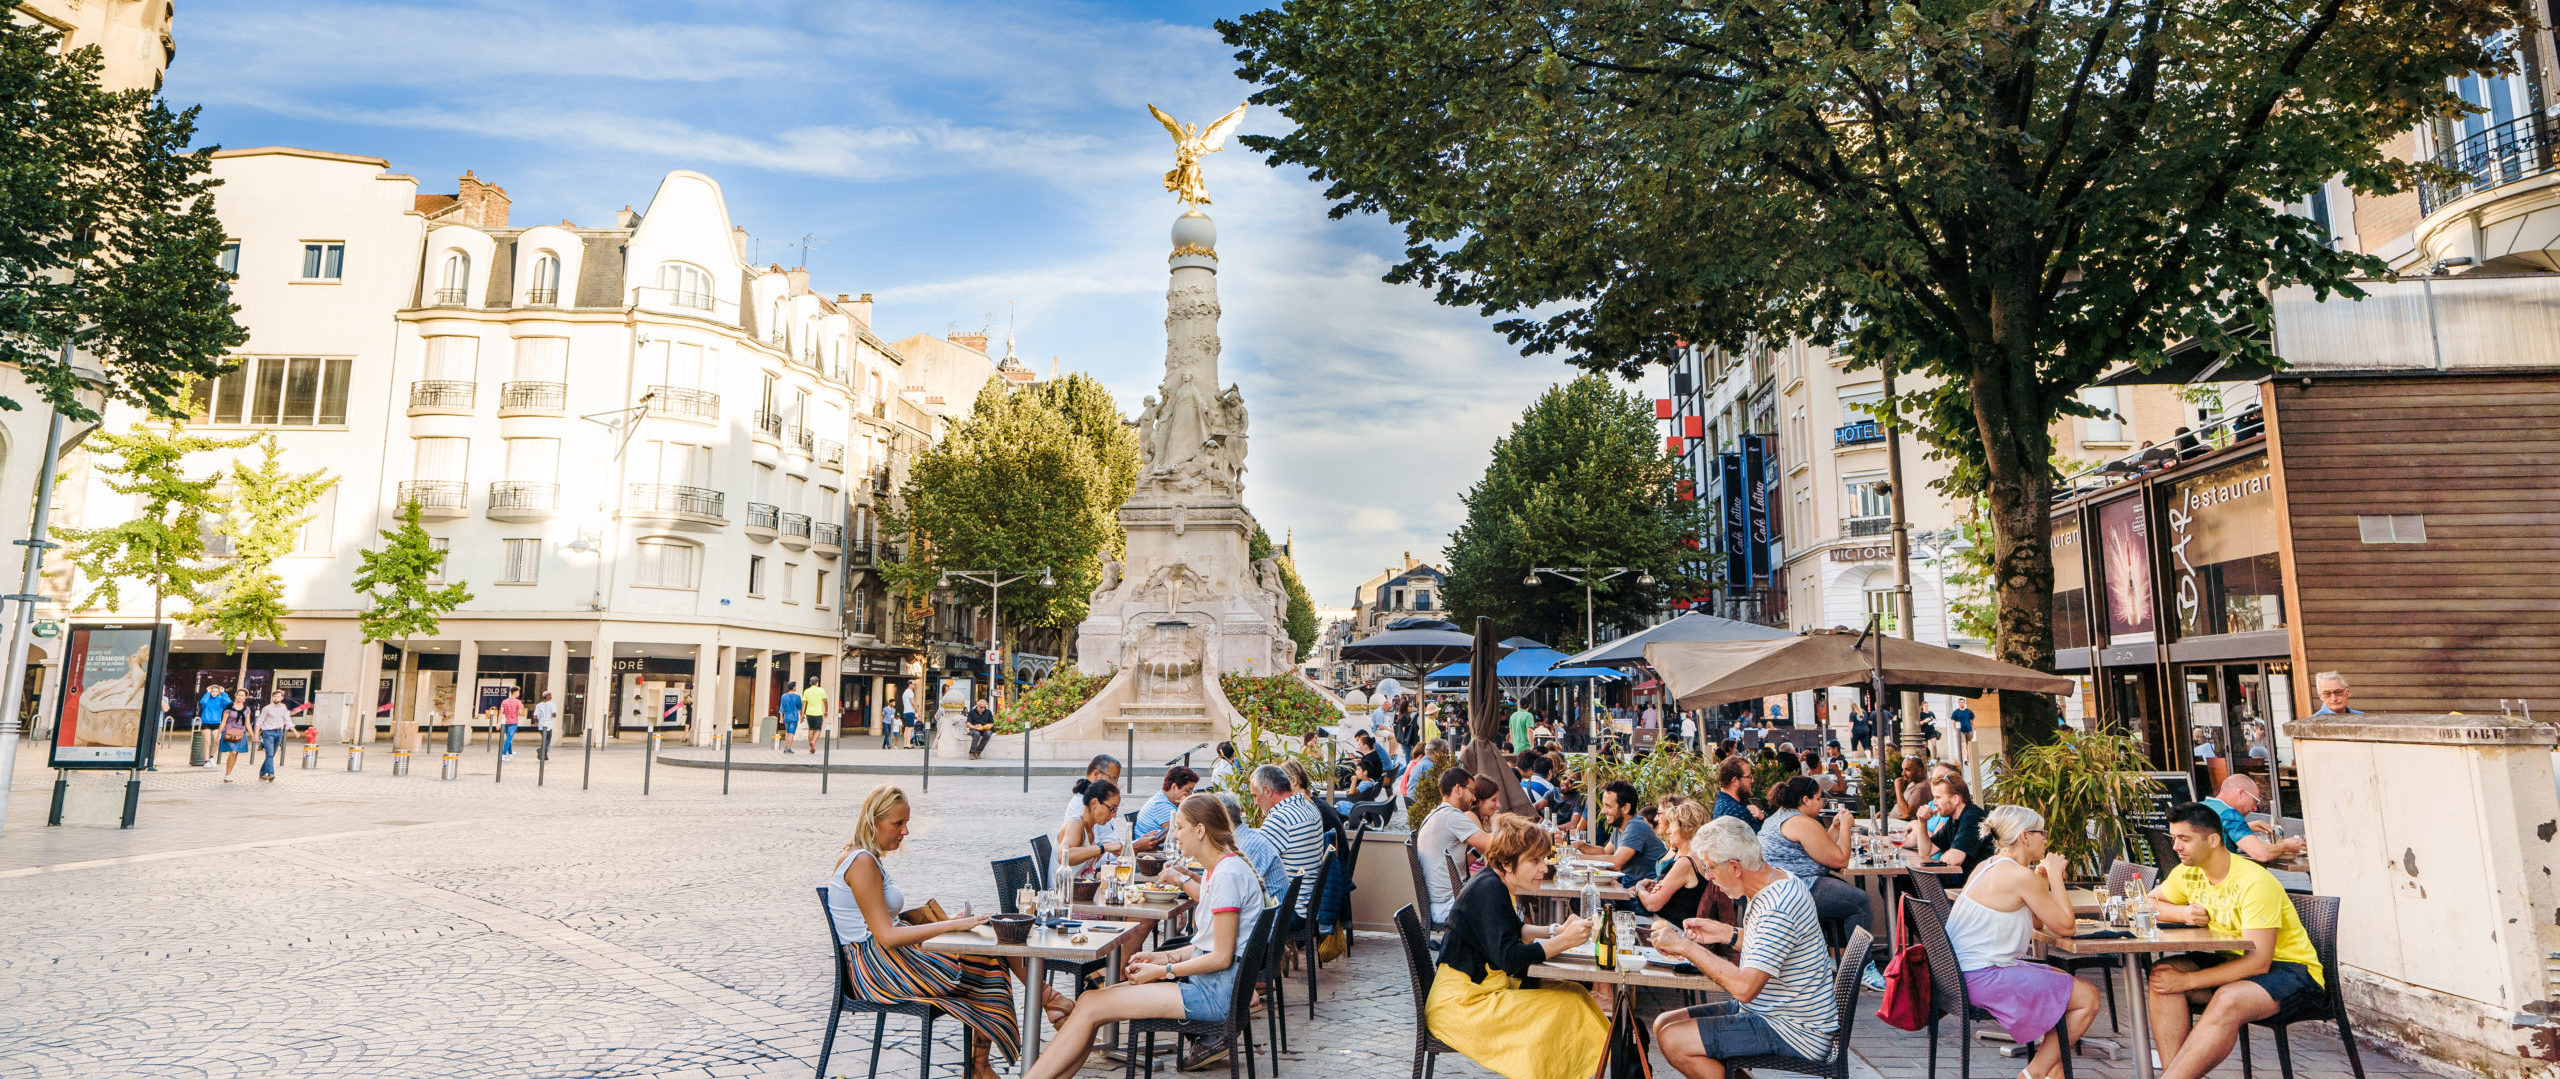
(2440, 835)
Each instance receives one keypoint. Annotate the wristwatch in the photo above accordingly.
(1168, 972)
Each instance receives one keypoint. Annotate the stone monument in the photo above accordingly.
(1187, 603)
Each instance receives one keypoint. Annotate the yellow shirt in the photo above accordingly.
(2248, 898)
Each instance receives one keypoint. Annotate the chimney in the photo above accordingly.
(862, 310)
(975, 342)
(484, 205)
(627, 219)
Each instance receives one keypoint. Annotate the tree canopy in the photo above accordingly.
(1579, 481)
(1031, 478)
(162, 546)
(2007, 197)
(269, 506)
(401, 578)
(1300, 618)
(107, 232)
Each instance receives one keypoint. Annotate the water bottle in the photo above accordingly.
(1591, 899)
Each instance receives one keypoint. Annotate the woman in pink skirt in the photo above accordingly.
(1991, 926)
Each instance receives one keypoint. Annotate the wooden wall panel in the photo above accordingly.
(2473, 614)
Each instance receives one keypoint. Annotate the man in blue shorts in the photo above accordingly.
(1781, 989)
(790, 714)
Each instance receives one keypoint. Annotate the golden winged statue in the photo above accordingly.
(1188, 144)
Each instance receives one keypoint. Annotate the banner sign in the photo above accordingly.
(108, 710)
(1737, 521)
(1756, 480)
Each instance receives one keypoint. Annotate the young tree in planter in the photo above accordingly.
(162, 546)
(2006, 198)
(400, 579)
(269, 507)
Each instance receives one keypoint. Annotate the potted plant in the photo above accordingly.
(2083, 782)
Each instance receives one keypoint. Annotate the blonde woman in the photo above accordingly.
(1233, 897)
(1483, 1003)
(880, 951)
(1679, 885)
(1994, 921)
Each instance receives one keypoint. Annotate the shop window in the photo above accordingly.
(2224, 573)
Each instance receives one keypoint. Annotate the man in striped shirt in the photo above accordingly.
(1291, 822)
(1782, 987)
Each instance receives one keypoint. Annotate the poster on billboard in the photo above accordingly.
(2124, 564)
(107, 710)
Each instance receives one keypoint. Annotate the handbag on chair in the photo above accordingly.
(1905, 1003)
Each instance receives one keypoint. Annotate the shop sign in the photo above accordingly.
(1874, 552)
(48, 629)
(2221, 516)
(875, 663)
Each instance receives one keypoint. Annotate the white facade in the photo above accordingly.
(633, 443)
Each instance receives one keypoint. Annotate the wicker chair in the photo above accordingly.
(1043, 856)
(1421, 887)
(1844, 992)
(2319, 915)
(1931, 888)
(1947, 992)
(1274, 987)
(1236, 1028)
(2118, 875)
(1419, 969)
(847, 1000)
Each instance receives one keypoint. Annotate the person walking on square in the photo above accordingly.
(546, 719)
(790, 714)
(888, 723)
(907, 713)
(510, 716)
(210, 708)
(235, 739)
(273, 721)
(813, 707)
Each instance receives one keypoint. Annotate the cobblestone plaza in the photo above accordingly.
(366, 925)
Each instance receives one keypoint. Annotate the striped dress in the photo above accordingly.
(972, 989)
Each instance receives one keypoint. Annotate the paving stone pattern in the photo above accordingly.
(366, 925)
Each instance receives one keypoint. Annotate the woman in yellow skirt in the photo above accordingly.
(1483, 1003)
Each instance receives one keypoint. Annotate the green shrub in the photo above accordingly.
(1279, 703)
(2079, 778)
(1051, 701)
(1426, 796)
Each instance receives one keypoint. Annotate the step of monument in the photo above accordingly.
(1164, 711)
(1159, 728)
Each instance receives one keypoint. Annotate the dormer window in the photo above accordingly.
(546, 281)
(453, 286)
(686, 286)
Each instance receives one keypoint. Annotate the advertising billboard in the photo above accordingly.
(109, 706)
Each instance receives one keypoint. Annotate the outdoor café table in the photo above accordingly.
(2140, 951)
(1555, 890)
(2085, 902)
(1044, 946)
(1159, 916)
(1623, 1025)
(1875, 875)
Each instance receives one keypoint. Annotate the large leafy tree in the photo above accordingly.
(1029, 479)
(1580, 481)
(162, 546)
(269, 506)
(2008, 197)
(107, 232)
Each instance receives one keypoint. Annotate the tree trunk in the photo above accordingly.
(2018, 485)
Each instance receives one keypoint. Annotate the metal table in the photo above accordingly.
(1043, 946)
(2138, 953)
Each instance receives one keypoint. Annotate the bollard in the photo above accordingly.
(826, 758)
(452, 765)
(1026, 760)
(454, 733)
(727, 740)
(587, 769)
(399, 762)
(648, 762)
(197, 756)
(310, 758)
(355, 758)
(499, 774)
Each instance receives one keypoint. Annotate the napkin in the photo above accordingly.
(2103, 934)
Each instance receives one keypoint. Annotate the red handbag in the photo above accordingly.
(1906, 1004)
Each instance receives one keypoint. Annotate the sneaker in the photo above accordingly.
(1873, 978)
(1197, 1055)
(786, 749)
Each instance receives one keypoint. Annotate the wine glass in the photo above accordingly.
(1026, 899)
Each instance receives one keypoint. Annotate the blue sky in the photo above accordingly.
(950, 158)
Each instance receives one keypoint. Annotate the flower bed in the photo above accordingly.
(1278, 704)
(1051, 701)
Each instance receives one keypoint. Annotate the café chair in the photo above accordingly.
(1421, 888)
(1307, 934)
(2164, 852)
(2319, 915)
(1043, 855)
(1015, 873)
(1419, 970)
(1236, 1029)
(1931, 888)
(1274, 986)
(1947, 993)
(1844, 992)
(2117, 876)
(848, 1000)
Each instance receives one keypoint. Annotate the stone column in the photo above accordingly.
(466, 690)
(601, 684)
(353, 665)
(761, 705)
(700, 718)
(555, 680)
(2437, 834)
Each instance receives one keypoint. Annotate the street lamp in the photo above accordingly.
(1589, 577)
(995, 580)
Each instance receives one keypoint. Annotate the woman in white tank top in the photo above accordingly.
(1992, 924)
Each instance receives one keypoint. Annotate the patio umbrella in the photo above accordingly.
(1701, 673)
(1487, 736)
(1526, 669)
(1417, 648)
(1628, 651)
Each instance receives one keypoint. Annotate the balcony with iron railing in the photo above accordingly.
(1865, 432)
(831, 454)
(541, 297)
(533, 398)
(437, 498)
(880, 482)
(768, 425)
(452, 297)
(698, 508)
(800, 439)
(441, 397)
(828, 539)
(2493, 157)
(859, 556)
(684, 403)
(1853, 527)
(762, 517)
(523, 500)
(795, 530)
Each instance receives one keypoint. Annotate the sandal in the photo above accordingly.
(1057, 1005)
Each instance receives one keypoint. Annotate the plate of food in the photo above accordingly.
(1158, 893)
(1661, 958)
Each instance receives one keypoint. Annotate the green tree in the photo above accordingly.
(2009, 198)
(1580, 481)
(1028, 479)
(1300, 618)
(269, 507)
(400, 578)
(107, 232)
(162, 546)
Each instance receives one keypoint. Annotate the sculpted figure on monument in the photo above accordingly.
(1147, 433)
(1184, 425)
(1109, 584)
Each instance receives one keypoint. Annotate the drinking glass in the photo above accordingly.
(2146, 922)
(1626, 928)
(1125, 871)
(1026, 899)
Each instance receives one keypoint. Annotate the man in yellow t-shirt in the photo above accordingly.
(2279, 973)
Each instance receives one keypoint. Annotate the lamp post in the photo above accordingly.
(995, 580)
(1589, 577)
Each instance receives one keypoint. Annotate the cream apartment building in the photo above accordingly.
(649, 458)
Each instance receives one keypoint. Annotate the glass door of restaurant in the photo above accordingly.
(2235, 718)
(2133, 710)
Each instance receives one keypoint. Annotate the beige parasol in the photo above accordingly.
(1700, 673)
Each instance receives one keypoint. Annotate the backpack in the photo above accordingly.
(1905, 1003)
